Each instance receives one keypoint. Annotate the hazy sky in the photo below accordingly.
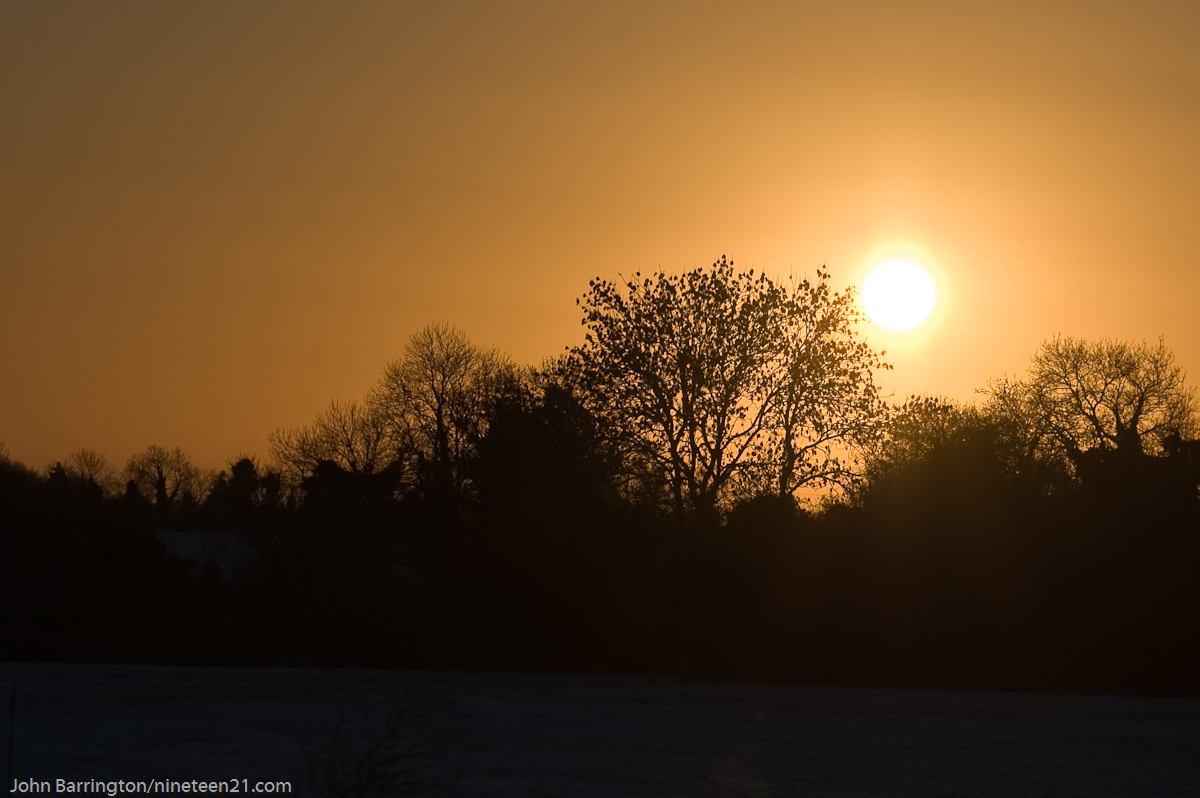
(215, 217)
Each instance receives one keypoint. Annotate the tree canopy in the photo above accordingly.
(437, 400)
(730, 382)
(167, 475)
(353, 435)
(1113, 395)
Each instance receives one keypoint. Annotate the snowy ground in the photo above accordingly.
(504, 735)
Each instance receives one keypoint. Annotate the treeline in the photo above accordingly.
(631, 506)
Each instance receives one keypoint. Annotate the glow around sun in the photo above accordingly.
(898, 295)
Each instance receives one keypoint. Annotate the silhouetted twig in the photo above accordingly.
(384, 764)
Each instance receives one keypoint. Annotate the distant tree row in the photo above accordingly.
(1083, 405)
(703, 389)
(166, 477)
(632, 505)
(707, 387)
(716, 386)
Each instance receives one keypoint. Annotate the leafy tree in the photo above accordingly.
(238, 495)
(921, 425)
(919, 437)
(729, 382)
(240, 484)
(826, 397)
(1025, 436)
(542, 457)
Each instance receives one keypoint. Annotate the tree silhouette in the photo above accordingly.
(165, 475)
(436, 401)
(916, 429)
(826, 397)
(729, 381)
(542, 457)
(90, 466)
(1104, 395)
(1025, 435)
(238, 496)
(354, 435)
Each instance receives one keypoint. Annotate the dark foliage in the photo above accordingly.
(955, 564)
(946, 571)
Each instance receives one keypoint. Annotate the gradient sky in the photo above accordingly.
(215, 217)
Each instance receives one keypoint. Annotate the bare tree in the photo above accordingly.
(166, 475)
(90, 466)
(353, 435)
(437, 398)
(1112, 395)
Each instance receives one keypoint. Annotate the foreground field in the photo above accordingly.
(516, 735)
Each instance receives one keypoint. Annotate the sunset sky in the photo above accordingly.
(215, 217)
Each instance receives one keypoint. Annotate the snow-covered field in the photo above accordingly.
(506, 735)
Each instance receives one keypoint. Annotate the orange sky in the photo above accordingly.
(214, 217)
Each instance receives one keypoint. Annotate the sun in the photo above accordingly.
(898, 295)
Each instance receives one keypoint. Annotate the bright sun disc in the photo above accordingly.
(898, 295)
